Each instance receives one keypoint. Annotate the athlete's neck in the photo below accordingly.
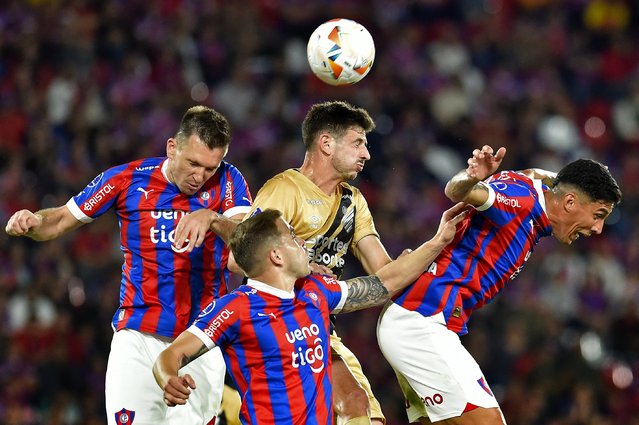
(169, 171)
(321, 173)
(553, 207)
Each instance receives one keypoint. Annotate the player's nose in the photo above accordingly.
(199, 176)
(597, 228)
(365, 153)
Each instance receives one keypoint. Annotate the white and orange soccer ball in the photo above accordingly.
(340, 52)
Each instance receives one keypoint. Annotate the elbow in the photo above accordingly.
(390, 284)
(452, 194)
(157, 374)
(162, 369)
(391, 292)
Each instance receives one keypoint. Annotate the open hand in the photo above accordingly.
(448, 223)
(191, 230)
(484, 163)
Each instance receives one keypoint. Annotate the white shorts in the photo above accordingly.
(438, 376)
(133, 396)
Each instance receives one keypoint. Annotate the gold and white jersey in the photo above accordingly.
(330, 225)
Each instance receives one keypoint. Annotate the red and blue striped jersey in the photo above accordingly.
(276, 346)
(163, 288)
(490, 248)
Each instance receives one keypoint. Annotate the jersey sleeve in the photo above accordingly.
(364, 224)
(510, 194)
(281, 194)
(335, 291)
(100, 194)
(215, 326)
(237, 196)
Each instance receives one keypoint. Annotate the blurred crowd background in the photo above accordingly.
(88, 84)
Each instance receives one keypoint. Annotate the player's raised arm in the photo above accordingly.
(42, 225)
(372, 254)
(368, 291)
(465, 186)
(192, 228)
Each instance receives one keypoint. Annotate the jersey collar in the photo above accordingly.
(165, 171)
(261, 286)
(540, 193)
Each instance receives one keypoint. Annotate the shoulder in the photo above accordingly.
(353, 191)
(236, 301)
(356, 196)
(287, 177)
(318, 280)
(288, 180)
(510, 177)
(146, 165)
(227, 167)
(510, 191)
(138, 167)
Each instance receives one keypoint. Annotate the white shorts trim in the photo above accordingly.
(130, 383)
(437, 374)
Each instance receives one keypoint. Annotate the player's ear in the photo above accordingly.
(171, 147)
(570, 201)
(276, 256)
(325, 143)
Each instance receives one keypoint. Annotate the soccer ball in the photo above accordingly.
(340, 52)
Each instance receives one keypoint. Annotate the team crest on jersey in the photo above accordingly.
(314, 299)
(124, 417)
(205, 197)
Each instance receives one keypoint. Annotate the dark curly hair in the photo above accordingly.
(592, 178)
(334, 117)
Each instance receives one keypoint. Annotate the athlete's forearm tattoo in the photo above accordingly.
(188, 359)
(363, 292)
